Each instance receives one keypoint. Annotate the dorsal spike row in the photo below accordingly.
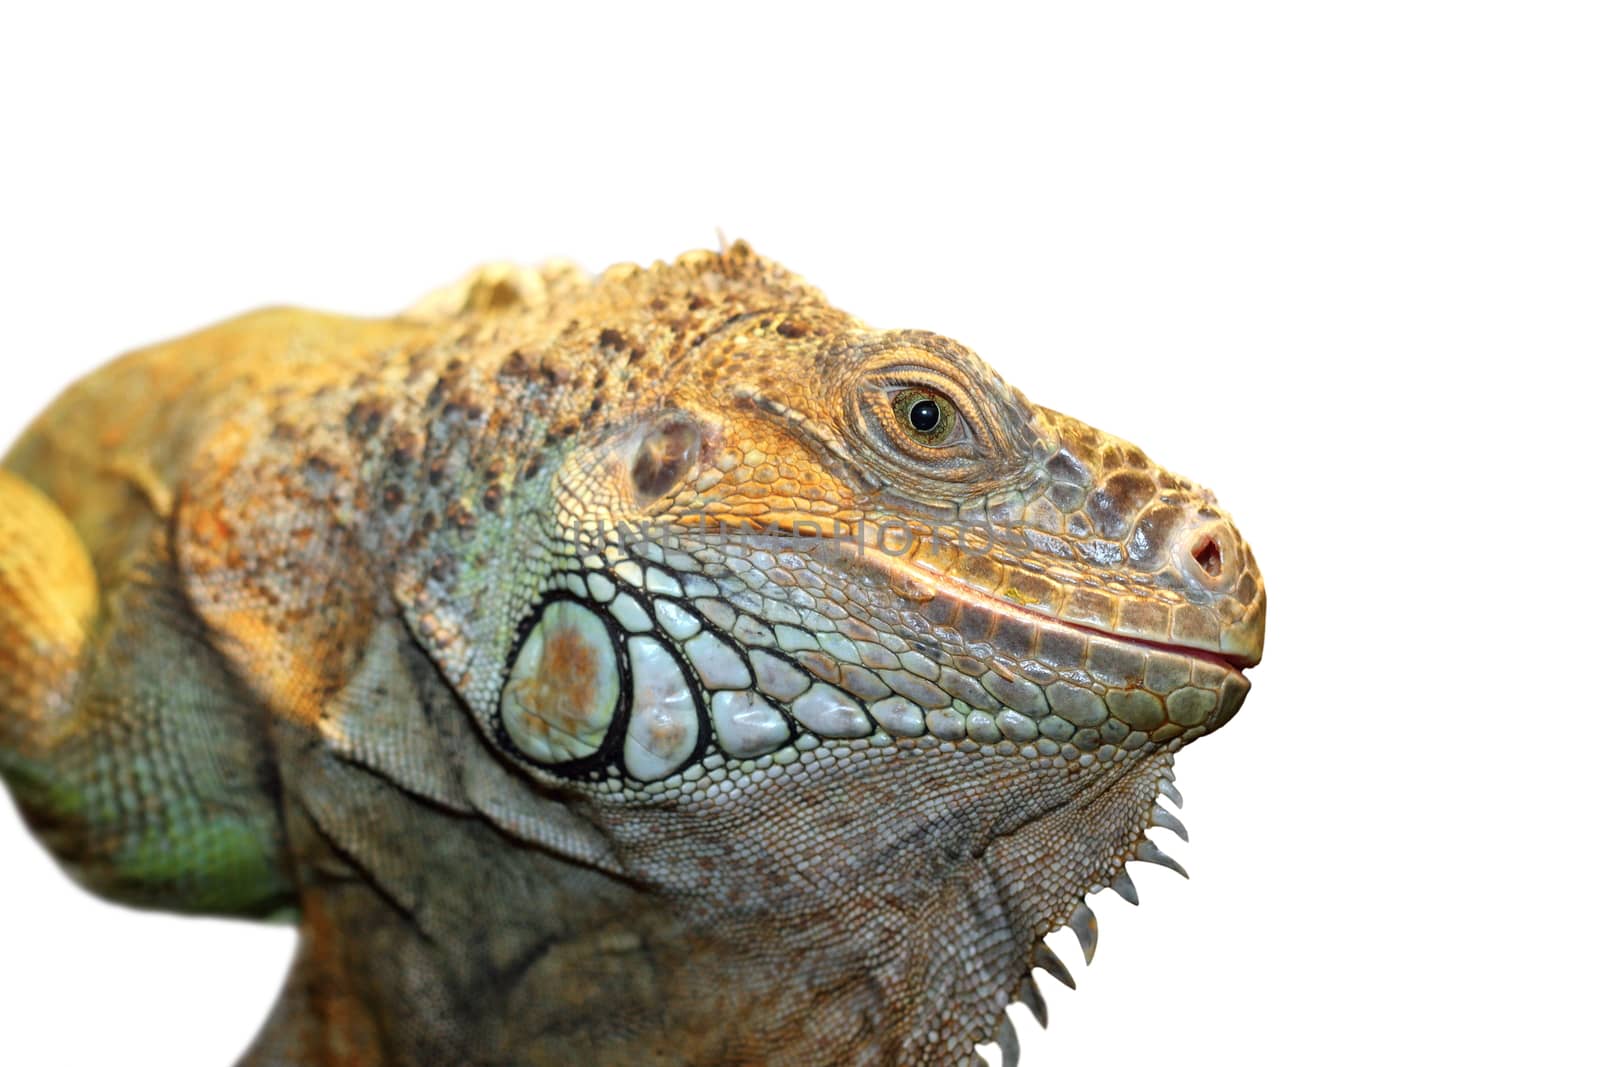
(1083, 923)
(1170, 791)
(1147, 851)
(1045, 959)
(1168, 821)
(1005, 1036)
(1123, 885)
(1030, 997)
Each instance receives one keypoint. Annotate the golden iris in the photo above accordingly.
(927, 416)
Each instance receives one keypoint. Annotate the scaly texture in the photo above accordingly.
(659, 668)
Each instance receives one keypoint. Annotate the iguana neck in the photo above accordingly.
(537, 961)
(430, 936)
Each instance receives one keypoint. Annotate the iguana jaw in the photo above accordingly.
(1109, 658)
(1040, 662)
(1185, 610)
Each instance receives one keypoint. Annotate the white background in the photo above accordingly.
(1337, 261)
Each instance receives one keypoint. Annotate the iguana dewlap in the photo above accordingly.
(659, 668)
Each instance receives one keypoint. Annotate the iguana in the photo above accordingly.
(658, 668)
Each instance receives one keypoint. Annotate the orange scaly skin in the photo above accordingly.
(659, 668)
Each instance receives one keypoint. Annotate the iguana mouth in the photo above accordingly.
(933, 573)
(1236, 663)
(1112, 666)
(960, 589)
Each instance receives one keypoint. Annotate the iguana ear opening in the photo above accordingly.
(664, 454)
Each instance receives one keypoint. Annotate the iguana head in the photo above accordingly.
(867, 666)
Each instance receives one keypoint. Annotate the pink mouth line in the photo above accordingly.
(989, 602)
(1237, 664)
(891, 563)
(1234, 663)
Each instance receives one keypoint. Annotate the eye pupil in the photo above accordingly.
(923, 416)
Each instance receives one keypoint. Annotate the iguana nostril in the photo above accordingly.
(1208, 555)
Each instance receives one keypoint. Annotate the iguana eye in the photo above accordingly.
(930, 417)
